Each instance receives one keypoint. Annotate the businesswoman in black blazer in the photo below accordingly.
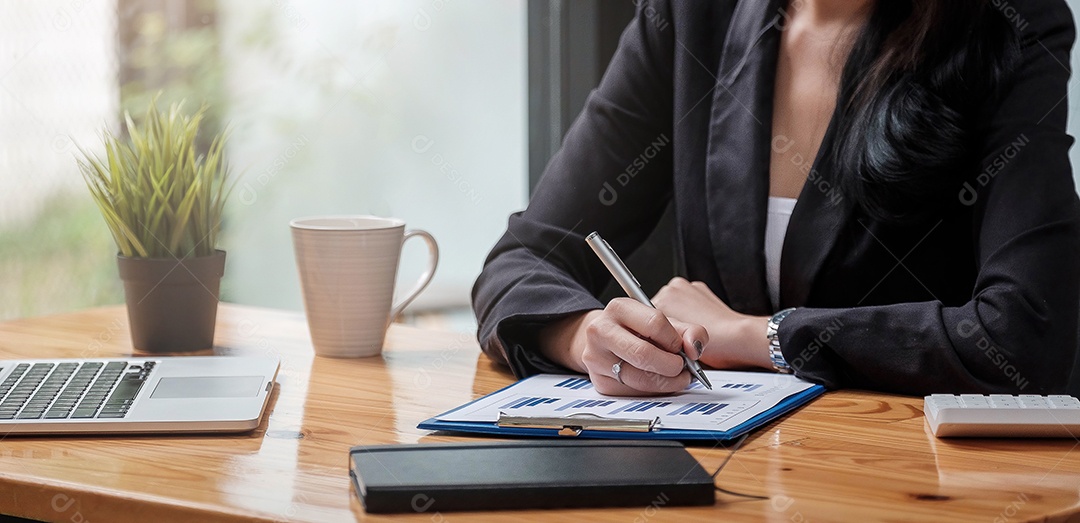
(867, 194)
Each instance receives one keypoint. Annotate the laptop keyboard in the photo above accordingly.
(72, 390)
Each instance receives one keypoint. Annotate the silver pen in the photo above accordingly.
(632, 288)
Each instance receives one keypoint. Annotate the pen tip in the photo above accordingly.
(705, 381)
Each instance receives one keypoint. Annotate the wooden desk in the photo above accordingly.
(849, 456)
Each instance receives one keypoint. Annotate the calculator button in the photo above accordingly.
(1063, 402)
(974, 400)
(1004, 401)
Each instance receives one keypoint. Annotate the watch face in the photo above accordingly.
(778, 317)
(774, 322)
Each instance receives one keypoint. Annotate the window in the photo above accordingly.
(417, 109)
(413, 109)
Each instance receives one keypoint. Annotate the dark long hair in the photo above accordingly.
(909, 98)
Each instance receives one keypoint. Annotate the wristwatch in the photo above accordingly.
(772, 328)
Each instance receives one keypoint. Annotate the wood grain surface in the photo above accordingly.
(848, 456)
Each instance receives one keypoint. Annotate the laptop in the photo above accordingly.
(134, 394)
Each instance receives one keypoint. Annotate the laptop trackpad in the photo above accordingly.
(208, 387)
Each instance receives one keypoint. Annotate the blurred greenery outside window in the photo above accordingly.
(327, 103)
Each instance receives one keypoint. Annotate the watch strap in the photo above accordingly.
(772, 332)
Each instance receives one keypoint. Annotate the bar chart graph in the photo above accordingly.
(744, 387)
(640, 406)
(699, 408)
(584, 404)
(518, 403)
(574, 384)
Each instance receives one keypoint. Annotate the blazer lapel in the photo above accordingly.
(737, 173)
(816, 223)
(737, 161)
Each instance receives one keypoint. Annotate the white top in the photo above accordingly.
(775, 229)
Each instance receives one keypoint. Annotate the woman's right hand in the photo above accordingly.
(644, 341)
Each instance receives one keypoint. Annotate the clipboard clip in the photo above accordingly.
(573, 424)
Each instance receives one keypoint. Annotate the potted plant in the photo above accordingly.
(163, 201)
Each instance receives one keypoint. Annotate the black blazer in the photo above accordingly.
(981, 297)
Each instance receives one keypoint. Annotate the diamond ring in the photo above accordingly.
(616, 369)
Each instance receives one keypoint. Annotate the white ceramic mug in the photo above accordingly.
(348, 265)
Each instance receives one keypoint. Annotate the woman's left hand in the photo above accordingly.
(735, 340)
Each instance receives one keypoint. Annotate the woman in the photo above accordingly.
(881, 187)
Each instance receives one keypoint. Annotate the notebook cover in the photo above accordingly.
(429, 478)
(789, 404)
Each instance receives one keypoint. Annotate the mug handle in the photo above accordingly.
(425, 277)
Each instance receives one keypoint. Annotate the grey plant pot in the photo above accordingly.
(172, 304)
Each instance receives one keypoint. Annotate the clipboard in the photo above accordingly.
(590, 426)
(574, 424)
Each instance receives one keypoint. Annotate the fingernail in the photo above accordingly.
(700, 348)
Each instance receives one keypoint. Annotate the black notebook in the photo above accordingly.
(527, 474)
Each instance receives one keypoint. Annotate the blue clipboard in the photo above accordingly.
(582, 430)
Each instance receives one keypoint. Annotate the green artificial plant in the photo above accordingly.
(159, 196)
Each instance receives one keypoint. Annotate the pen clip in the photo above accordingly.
(621, 262)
